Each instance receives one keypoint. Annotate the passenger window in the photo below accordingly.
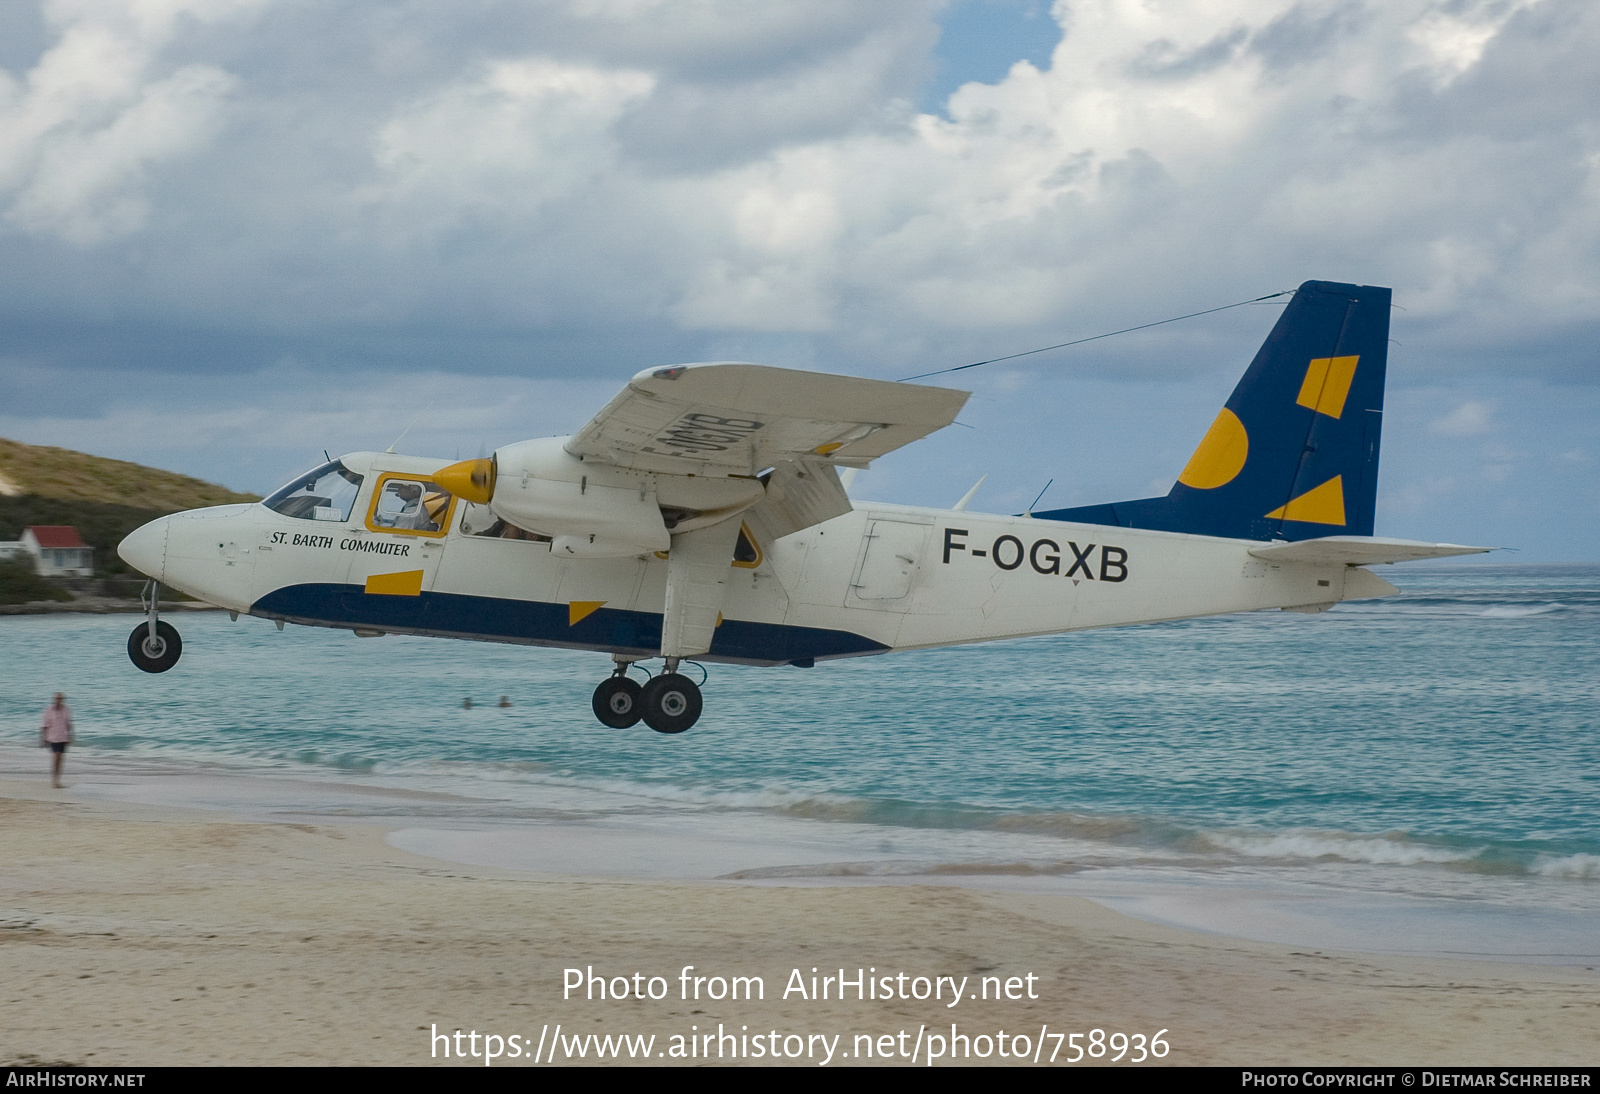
(745, 552)
(410, 505)
(479, 520)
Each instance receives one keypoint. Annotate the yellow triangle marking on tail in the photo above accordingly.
(404, 584)
(579, 610)
(1320, 505)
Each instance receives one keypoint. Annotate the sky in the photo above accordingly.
(235, 233)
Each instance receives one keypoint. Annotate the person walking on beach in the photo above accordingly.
(55, 730)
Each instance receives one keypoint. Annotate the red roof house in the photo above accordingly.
(58, 550)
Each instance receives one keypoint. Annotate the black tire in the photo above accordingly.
(158, 655)
(671, 703)
(616, 702)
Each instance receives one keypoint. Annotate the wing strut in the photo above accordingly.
(698, 568)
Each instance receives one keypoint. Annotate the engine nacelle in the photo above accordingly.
(589, 511)
(592, 509)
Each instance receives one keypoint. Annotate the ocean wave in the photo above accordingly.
(1580, 866)
(1518, 611)
(1114, 829)
(1312, 846)
(906, 869)
(1541, 601)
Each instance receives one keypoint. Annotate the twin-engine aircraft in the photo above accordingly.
(700, 516)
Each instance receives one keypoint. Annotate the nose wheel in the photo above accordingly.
(154, 645)
(158, 653)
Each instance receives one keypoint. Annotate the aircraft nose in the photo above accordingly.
(145, 549)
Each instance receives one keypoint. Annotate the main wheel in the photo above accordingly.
(671, 703)
(156, 654)
(616, 702)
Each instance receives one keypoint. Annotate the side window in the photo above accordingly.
(328, 493)
(746, 552)
(417, 506)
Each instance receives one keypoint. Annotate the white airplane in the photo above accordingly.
(700, 516)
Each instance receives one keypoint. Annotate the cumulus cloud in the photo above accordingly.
(582, 188)
(81, 133)
(1232, 143)
(519, 136)
(1469, 419)
(708, 167)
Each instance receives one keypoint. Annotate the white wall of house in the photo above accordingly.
(58, 561)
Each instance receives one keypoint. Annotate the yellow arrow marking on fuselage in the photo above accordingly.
(579, 610)
(408, 583)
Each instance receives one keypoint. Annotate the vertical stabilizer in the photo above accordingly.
(1294, 452)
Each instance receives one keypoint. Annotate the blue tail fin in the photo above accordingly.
(1294, 453)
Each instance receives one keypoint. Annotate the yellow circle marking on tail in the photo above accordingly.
(1221, 454)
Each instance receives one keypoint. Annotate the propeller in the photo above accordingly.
(469, 479)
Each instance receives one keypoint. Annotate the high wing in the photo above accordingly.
(738, 419)
(791, 428)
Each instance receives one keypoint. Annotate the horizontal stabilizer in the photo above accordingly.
(1360, 550)
(1362, 584)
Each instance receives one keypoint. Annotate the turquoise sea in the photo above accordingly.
(1420, 773)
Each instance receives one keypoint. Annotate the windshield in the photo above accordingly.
(328, 493)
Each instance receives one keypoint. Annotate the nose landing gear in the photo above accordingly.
(669, 703)
(154, 645)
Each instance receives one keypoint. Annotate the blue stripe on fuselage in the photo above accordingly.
(487, 618)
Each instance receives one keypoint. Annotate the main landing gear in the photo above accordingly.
(668, 703)
(154, 645)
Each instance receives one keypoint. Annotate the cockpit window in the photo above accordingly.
(328, 493)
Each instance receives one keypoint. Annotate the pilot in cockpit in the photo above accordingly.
(411, 515)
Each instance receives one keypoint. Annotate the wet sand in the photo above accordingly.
(144, 935)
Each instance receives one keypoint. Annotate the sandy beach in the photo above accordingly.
(135, 934)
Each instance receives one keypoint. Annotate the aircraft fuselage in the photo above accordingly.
(882, 577)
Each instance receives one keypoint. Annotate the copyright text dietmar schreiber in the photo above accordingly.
(926, 1044)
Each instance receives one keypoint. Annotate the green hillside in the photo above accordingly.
(104, 499)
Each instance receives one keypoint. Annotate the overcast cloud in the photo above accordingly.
(235, 231)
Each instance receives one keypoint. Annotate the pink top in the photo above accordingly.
(57, 724)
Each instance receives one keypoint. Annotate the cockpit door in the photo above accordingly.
(301, 532)
(395, 552)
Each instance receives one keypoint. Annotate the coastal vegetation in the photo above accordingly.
(20, 585)
(104, 499)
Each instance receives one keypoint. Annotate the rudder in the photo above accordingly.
(1293, 454)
